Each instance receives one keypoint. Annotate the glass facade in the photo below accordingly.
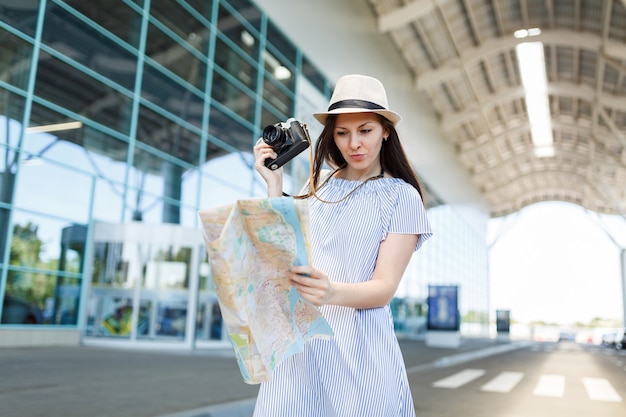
(120, 119)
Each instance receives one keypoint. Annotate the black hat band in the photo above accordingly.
(360, 104)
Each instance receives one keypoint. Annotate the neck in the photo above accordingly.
(352, 175)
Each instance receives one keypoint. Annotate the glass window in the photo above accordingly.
(155, 196)
(108, 199)
(281, 43)
(279, 71)
(168, 268)
(72, 37)
(229, 178)
(43, 187)
(171, 95)
(21, 16)
(214, 150)
(11, 108)
(233, 97)
(238, 34)
(179, 60)
(313, 75)
(271, 117)
(37, 240)
(209, 316)
(111, 315)
(189, 215)
(10, 130)
(171, 14)
(230, 131)
(15, 59)
(85, 149)
(275, 96)
(204, 7)
(40, 298)
(209, 319)
(65, 86)
(46, 167)
(248, 11)
(109, 267)
(120, 20)
(171, 319)
(234, 64)
(167, 136)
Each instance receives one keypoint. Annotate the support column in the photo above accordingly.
(623, 263)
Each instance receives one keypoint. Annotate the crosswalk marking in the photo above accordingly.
(600, 389)
(550, 386)
(460, 378)
(504, 382)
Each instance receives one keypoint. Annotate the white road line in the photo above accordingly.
(504, 382)
(460, 378)
(599, 389)
(550, 386)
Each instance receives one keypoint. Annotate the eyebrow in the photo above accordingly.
(358, 127)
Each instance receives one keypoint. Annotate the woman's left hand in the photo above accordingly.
(312, 284)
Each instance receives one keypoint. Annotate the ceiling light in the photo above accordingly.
(532, 69)
(247, 38)
(282, 73)
(278, 70)
(54, 127)
(524, 33)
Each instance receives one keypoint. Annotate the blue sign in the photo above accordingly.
(443, 307)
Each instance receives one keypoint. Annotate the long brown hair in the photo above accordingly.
(393, 160)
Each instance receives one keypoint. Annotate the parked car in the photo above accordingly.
(608, 339)
(567, 337)
(19, 311)
(620, 339)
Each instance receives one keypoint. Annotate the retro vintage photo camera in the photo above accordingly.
(288, 139)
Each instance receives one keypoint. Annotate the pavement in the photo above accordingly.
(81, 381)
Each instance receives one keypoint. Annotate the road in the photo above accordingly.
(562, 379)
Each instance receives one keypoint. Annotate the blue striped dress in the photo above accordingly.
(360, 371)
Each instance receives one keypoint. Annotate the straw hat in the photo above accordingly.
(358, 94)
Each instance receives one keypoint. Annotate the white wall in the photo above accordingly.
(341, 37)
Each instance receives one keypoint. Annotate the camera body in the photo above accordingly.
(287, 139)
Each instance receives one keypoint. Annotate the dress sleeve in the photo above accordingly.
(408, 215)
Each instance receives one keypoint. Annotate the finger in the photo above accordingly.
(303, 270)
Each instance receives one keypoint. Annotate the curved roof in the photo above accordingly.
(462, 54)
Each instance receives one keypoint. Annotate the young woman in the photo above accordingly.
(367, 218)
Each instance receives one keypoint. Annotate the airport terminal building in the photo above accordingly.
(120, 119)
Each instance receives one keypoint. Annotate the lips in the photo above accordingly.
(357, 157)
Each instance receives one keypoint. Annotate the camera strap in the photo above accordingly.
(313, 192)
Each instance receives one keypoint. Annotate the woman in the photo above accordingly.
(367, 218)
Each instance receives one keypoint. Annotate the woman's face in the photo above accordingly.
(359, 137)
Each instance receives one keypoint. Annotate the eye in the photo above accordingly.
(366, 131)
(341, 133)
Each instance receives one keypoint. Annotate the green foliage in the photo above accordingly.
(473, 316)
(26, 247)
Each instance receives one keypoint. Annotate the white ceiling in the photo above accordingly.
(462, 56)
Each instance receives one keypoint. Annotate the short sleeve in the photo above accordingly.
(408, 214)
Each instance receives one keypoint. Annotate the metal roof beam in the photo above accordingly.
(471, 56)
(621, 136)
(562, 89)
(405, 14)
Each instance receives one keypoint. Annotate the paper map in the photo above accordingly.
(252, 245)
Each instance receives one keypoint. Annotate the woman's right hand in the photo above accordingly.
(273, 178)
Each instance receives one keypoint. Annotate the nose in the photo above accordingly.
(355, 141)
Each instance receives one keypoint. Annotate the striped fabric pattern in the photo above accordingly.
(360, 371)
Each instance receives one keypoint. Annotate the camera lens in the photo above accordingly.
(274, 136)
